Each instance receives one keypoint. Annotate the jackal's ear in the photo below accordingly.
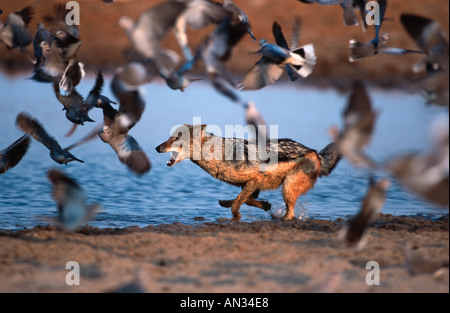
(204, 126)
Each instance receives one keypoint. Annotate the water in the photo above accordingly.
(184, 193)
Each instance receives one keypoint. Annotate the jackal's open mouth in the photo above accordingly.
(173, 160)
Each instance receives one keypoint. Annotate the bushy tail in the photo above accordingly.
(329, 159)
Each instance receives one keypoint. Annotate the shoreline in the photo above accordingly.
(230, 257)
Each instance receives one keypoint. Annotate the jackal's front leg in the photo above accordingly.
(243, 197)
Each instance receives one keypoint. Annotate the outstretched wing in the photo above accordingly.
(12, 155)
(37, 131)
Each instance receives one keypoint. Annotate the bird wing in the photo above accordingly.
(262, 74)
(131, 154)
(156, 21)
(201, 13)
(37, 131)
(12, 155)
(26, 14)
(296, 29)
(91, 136)
(279, 36)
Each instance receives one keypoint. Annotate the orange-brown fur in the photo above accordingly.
(296, 176)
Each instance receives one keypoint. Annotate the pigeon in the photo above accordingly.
(125, 87)
(379, 44)
(353, 233)
(275, 58)
(12, 155)
(56, 51)
(348, 6)
(126, 147)
(198, 14)
(73, 211)
(32, 127)
(426, 174)
(14, 33)
(359, 119)
(54, 66)
(76, 107)
(151, 28)
(433, 42)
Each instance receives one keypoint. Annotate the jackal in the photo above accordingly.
(240, 163)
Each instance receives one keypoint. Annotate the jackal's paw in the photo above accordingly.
(226, 203)
(287, 218)
(266, 206)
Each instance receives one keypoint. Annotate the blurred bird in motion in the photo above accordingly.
(117, 123)
(432, 41)
(56, 49)
(76, 107)
(359, 125)
(14, 33)
(353, 233)
(348, 6)
(12, 155)
(274, 59)
(427, 174)
(198, 14)
(379, 44)
(32, 127)
(73, 211)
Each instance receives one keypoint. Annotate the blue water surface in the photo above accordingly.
(185, 193)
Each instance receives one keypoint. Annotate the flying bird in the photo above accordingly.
(198, 14)
(32, 127)
(359, 125)
(56, 55)
(151, 28)
(73, 211)
(348, 6)
(432, 41)
(379, 44)
(126, 88)
(353, 233)
(275, 57)
(12, 155)
(76, 107)
(126, 147)
(14, 33)
(426, 174)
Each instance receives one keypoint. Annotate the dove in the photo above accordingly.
(275, 58)
(73, 211)
(32, 127)
(12, 155)
(56, 51)
(359, 125)
(151, 28)
(198, 14)
(348, 6)
(126, 147)
(426, 174)
(353, 233)
(432, 41)
(14, 33)
(76, 107)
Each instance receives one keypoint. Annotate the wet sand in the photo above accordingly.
(258, 257)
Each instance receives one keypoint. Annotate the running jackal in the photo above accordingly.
(240, 163)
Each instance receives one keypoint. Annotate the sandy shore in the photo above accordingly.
(268, 257)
